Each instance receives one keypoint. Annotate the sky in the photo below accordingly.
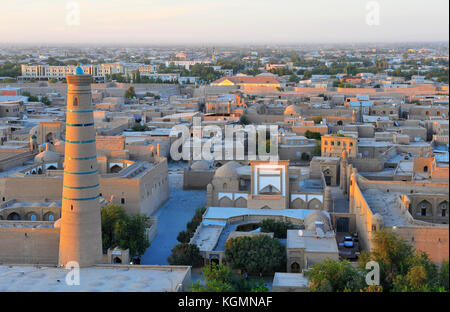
(225, 21)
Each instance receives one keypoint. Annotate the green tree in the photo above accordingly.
(313, 135)
(294, 78)
(191, 226)
(138, 127)
(402, 268)
(123, 231)
(243, 120)
(259, 254)
(112, 217)
(185, 254)
(305, 157)
(219, 278)
(335, 276)
(444, 276)
(45, 100)
(184, 237)
(278, 228)
(130, 93)
(9, 69)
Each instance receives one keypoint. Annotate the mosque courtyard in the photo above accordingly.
(173, 216)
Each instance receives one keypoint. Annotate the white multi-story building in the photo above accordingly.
(97, 71)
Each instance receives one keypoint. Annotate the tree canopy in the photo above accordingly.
(258, 254)
(130, 93)
(124, 231)
(220, 278)
(185, 254)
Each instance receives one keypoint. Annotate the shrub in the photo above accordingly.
(185, 254)
(259, 254)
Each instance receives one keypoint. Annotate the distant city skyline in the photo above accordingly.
(226, 22)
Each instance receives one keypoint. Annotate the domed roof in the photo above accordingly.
(200, 165)
(315, 216)
(228, 170)
(292, 110)
(78, 71)
(34, 130)
(251, 110)
(47, 155)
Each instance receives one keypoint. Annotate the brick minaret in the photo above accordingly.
(80, 234)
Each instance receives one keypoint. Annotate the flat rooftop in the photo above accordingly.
(207, 236)
(224, 213)
(386, 205)
(102, 278)
(290, 280)
(311, 242)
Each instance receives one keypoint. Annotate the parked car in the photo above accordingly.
(348, 242)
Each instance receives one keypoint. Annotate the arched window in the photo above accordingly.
(444, 207)
(425, 169)
(424, 207)
(75, 101)
(33, 217)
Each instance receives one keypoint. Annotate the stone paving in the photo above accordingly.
(173, 216)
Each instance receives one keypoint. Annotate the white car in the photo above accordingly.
(348, 242)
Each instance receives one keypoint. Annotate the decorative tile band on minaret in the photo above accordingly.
(80, 233)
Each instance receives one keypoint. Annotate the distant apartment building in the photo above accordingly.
(97, 71)
(186, 63)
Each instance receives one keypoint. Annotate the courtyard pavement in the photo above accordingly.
(173, 216)
(340, 203)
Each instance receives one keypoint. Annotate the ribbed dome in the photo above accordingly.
(200, 165)
(251, 110)
(292, 110)
(313, 217)
(228, 170)
(47, 155)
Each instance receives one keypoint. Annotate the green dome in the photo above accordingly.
(79, 71)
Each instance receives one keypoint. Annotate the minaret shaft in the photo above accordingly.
(80, 233)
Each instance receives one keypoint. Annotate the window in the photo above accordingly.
(425, 169)
(75, 101)
(326, 142)
(374, 228)
(351, 143)
(444, 209)
(122, 200)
